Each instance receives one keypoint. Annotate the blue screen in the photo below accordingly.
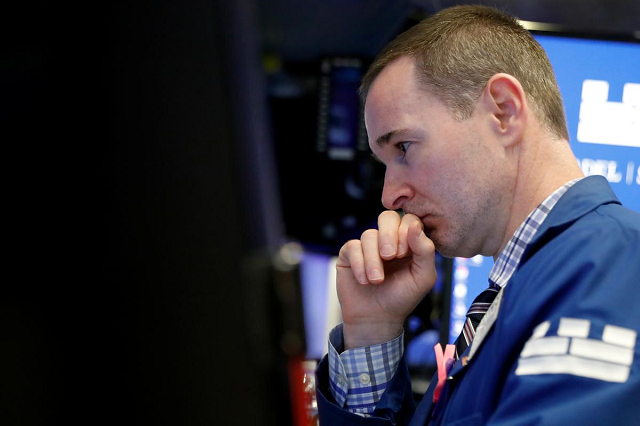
(600, 86)
(470, 278)
(315, 280)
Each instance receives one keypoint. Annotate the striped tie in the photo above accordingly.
(475, 313)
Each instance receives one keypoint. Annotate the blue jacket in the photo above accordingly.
(563, 349)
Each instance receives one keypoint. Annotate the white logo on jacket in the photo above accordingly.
(572, 352)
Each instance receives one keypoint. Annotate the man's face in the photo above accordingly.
(446, 172)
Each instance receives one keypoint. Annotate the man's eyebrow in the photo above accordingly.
(384, 139)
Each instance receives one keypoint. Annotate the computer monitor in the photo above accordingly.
(599, 81)
(319, 300)
(600, 84)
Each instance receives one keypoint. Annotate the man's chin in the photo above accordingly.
(444, 249)
(448, 248)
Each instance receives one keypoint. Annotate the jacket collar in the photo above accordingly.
(583, 197)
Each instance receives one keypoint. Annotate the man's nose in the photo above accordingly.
(395, 192)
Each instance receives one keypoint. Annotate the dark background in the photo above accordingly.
(148, 159)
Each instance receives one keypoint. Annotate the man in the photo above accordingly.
(464, 111)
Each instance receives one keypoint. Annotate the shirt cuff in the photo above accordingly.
(358, 377)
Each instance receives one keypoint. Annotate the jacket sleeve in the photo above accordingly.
(572, 388)
(396, 407)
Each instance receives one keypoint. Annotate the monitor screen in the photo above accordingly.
(319, 301)
(470, 278)
(600, 85)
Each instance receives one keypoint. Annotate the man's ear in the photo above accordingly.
(503, 98)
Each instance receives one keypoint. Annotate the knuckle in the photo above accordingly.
(389, 218)
(357, 265)
(414, 221)
(410, 218)
(387, 214)
(350, 245)
(369, 233)
(430, 247)
(427, 247)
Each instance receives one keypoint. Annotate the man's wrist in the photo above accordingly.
(371, 333)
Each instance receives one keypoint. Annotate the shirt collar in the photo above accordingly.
(510, 257)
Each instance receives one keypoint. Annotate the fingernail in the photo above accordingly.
(362, 279)
(375, 275)
(388, 250)
(401, 250)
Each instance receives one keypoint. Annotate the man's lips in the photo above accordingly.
(422, 217)
(428, 222)
(425, 217)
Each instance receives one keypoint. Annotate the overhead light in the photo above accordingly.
(540, 26)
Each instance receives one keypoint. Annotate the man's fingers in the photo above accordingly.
(423, 249)
(351, 256)
(388, 223)
(396, 238)
(372, 259)
(403, 231)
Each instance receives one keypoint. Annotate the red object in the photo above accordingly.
(297, 394)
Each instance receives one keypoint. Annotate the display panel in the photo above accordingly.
(600, 85)
(470, 278)
(340, 121)
(319, 300)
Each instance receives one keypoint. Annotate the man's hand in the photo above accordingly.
(382, 277)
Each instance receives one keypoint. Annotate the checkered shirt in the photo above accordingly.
(358, 377)
(509, 259)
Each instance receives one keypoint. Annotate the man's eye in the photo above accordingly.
(403, 146)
